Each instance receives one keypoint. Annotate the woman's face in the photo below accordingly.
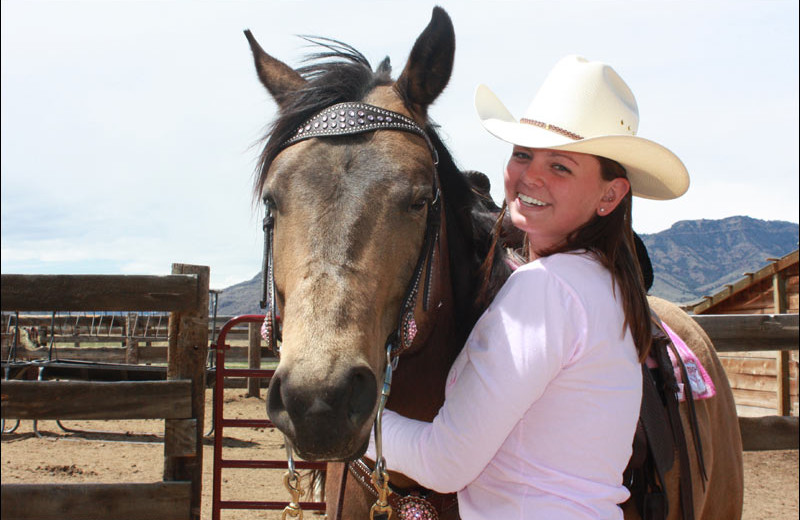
(551, 193)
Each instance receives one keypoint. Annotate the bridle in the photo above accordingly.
(349, 119)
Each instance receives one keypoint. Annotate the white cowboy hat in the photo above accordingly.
(584, 106)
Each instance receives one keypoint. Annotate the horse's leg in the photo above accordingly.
(718, 424)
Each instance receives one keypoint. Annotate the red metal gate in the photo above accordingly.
(220, 423)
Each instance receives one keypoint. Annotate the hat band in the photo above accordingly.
(551, 128)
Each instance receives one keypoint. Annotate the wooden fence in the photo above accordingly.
(764, 383)
(133, 337)
(179, 399)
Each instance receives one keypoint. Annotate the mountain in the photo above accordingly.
(694, 258)
(691, 259)
(242, 298)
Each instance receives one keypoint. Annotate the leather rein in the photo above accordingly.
(349, 119)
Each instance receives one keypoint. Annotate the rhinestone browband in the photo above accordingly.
(355, 118)
(551, 128)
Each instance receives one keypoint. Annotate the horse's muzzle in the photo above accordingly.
(328, 420)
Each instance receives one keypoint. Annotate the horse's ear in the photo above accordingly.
(280, 79)
(430, 63)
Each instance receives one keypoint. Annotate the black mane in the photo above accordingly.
(341, 74)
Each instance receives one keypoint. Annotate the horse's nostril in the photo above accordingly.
(274, 397)
(363, 394)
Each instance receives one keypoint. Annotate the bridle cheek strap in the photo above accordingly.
(270, 329)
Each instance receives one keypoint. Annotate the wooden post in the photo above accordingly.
(131, 344)
(186, 358)
(254, 358)
(780, 304)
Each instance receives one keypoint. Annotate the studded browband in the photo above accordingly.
(356, 118)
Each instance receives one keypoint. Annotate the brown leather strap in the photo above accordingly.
(400, 498)
(338, 470)
(659, 349)
(689, 394)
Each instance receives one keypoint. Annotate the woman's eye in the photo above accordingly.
(561, 168)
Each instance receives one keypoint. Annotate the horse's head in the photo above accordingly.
(350, 215)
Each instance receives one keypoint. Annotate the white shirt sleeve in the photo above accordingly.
(530, 331)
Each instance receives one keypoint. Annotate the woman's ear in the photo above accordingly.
(615, 192)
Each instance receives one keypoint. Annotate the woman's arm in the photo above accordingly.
(517, 347)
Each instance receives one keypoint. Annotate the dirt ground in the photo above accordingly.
(132, 451)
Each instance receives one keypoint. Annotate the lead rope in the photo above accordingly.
(291, 480)
(381, 510)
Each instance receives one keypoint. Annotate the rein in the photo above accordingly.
(349, 119)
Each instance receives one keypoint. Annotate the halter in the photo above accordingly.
(349, 119)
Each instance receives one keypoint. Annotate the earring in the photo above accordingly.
(602, 210)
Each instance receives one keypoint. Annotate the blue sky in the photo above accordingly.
(130, 128)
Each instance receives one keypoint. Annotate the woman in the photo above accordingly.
(542, 403)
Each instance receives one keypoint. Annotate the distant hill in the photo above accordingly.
(242, 298)
(691, 259)
(694, 258)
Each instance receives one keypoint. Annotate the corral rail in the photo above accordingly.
(179, 400)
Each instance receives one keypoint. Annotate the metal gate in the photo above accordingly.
(220, 423)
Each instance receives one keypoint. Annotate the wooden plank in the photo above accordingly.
(783, 383)
(753, 382)
(180, 438)
(734, 332)
(768, 355)
(145, 501)
(187, 354)
(772, 432)
(781, 304)
(42, 292)
(756, 367)
(147, 355)
(755, 398)
(95, 400)
(753, 411)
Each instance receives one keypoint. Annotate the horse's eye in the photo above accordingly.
(419, 204)
(269, 202)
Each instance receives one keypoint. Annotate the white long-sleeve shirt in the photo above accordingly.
(541, 405)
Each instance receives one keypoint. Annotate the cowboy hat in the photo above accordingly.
(584, 106)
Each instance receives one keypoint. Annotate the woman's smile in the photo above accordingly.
(530, 201)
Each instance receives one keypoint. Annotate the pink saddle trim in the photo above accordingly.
(701, 383)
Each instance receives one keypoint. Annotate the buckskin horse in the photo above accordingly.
(374, 242)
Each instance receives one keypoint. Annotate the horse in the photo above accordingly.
(374, 260)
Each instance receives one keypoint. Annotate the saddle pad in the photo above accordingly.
(699, 380)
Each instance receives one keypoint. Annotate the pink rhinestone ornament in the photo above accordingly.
(409, 332)
(416, 508)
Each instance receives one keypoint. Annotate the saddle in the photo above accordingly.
(659, 435)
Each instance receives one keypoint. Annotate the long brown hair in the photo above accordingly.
(610, 239)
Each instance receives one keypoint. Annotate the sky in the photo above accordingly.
(131, 129)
